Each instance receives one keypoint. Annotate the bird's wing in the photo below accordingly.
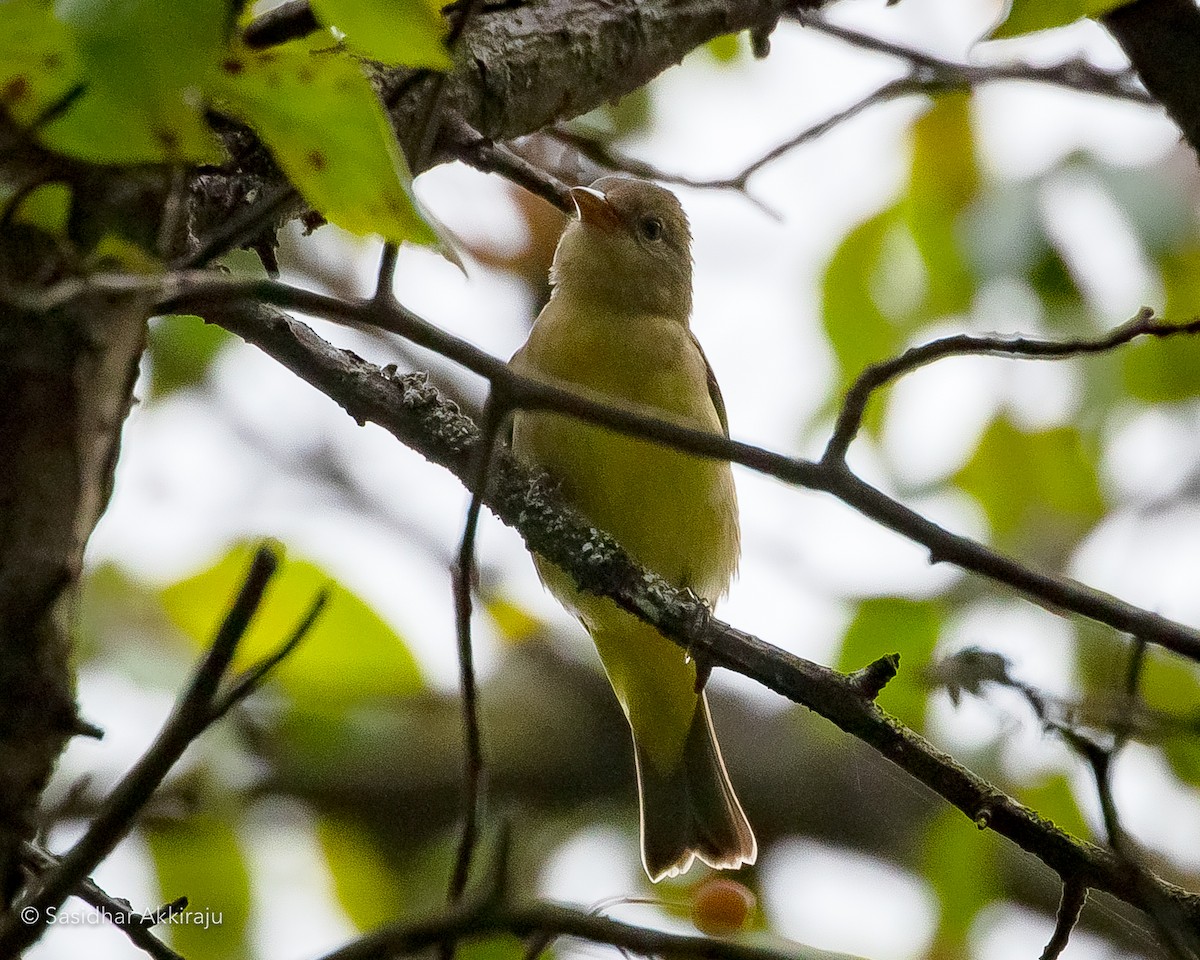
(714, 388)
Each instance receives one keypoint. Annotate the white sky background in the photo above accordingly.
(187, 486)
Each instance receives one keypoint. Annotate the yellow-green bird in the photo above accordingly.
(616, 328)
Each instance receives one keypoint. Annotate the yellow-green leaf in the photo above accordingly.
(959, 863)
(1026, 16)
(945, 179)
(182, 348)
(1167, 371)
(895, 625)
(858, 331)
(317, 113)
(144, 65)
(725, 48)
(349, 654)
(201, 859)
(39, 59)
(48, 208)
(1034, 485)
(396, 32)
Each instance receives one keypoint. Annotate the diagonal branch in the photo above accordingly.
(282, 338)
(416, 414)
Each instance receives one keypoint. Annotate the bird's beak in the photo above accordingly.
(594, 208)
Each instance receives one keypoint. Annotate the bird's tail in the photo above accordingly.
(691, 810)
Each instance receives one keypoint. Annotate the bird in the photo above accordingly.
(617, 329)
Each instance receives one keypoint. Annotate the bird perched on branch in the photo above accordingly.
(616, 329)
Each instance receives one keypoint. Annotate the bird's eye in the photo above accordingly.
(651, 228)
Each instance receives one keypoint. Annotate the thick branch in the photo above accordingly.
(1162, 40)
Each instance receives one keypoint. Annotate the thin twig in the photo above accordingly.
(1168, 920)
(200, 705)
(605, 156)
(483, 154)
(1070, 906)
(877, 375)
(117, 911)
(1078, 75)
(494, 414)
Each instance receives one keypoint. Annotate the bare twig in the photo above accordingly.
(1168, 920)
(1079, 75)
(473, 148)
(494, 415)
(200, 705)
(605, 156)
(1070, 906)
(1143, 324)
(119, 912)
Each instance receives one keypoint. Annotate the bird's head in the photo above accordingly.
(628, 249)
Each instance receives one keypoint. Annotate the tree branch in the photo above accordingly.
(414, 412)
(1162, 40)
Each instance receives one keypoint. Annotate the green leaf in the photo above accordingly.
(182, 349)
(945, 179)
(1036, 486)
(367, 886)
(895, 625)
(39, 60)
(319, 116)
(350, 654)
(857, 329)
(201, 859)
(1026, 16)
(1168, 371)
(725, 48)
(396, 32)
(959, 863)
(1054, 799)
(144, 65)
(48, 208)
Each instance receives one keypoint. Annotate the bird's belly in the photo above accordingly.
(676, 514)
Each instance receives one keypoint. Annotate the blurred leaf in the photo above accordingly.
(502, 947)
(1039, 485)
(945, 179)
(1053, 799)
(1167, 371)
(725, 48)
(1052, 281)
(395, 32)
(144, 63)
(630, 114)
(1155, 203)
(858, 331)
(47, 207)
(514, 623)
(350, 654)
(1026, 16)
(201, 859)
(39, 60)
(321, 120)
(895, 625)
(367, 886)
(182, 348)
(1172, 685)
(114, 252)
(959, 863)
